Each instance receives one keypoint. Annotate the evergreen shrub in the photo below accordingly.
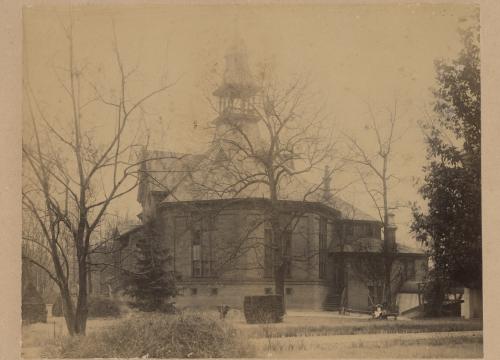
(150, 285)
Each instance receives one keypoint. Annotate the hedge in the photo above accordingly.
(33, 313)
(263, 309)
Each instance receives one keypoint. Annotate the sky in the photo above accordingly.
(355, 55)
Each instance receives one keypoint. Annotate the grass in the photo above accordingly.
(301, 335)
(422, 351)
(280, 345)
(356, 327)
(377, 339)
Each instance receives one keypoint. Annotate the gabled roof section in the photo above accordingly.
(127, 228)
(165, 172)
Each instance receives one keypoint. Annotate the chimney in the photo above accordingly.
(327, 179)
(391, 228)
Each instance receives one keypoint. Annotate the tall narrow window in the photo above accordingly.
(202, 228)
(196, 255)
(322, 247)
(367, 230)
(268, 253)
(410, 269)
(349, 229)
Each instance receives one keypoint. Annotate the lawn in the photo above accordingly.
(317, 334)
(465, 348)
(329, 337)
(295, 326)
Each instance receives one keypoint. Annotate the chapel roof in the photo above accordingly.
(182, 177)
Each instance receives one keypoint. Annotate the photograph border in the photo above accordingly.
(10, 158)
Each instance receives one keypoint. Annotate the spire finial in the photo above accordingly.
(236, 29)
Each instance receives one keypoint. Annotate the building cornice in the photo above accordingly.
(251, 203)
(230, 282)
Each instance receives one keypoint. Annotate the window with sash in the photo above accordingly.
(202, 228)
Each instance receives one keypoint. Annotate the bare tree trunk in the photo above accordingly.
(279, 265)
(387, 244)
(387, 279)
(279, 282)
(89, 280)
(81, 304)
(68, 310)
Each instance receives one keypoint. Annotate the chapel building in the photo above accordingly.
(219, 243)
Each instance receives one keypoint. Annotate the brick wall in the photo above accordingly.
(298, 295)
(236, 244)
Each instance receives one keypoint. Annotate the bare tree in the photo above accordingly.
(70, 178)
(377, 165)
(264, 147)
(369, 267)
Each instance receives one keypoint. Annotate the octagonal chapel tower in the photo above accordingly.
(236, 100)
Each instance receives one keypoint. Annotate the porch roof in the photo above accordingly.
(372, 245)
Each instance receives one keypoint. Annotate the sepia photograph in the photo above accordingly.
(251, 180)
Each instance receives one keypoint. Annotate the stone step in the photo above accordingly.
(331, 303)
